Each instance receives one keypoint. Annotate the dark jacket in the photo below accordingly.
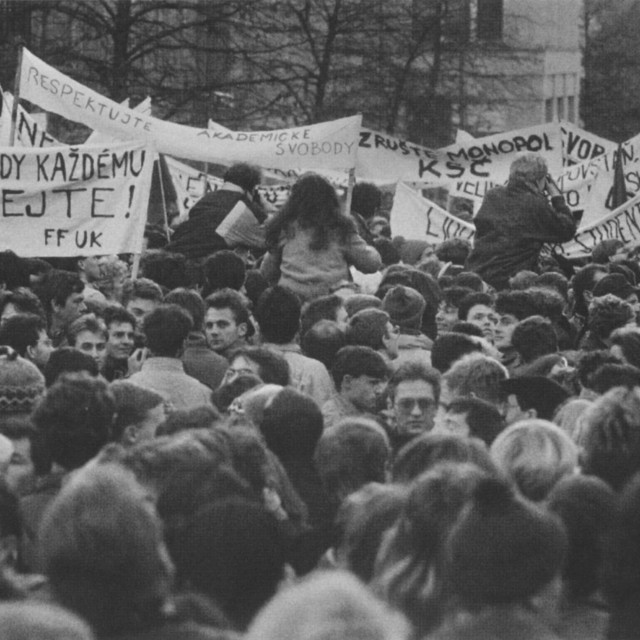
(512, 225)
(202, 235)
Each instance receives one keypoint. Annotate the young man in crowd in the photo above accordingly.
(413, 393)
(27, 334)
(226, 322)
(140, 297)
(121, 327)
(89, 335)
(360, 375)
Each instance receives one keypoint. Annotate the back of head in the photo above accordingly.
(405, 307)
(479, 376)
(534, 337)
(536, 392)
(535, 455)
(429, 449)
(358, 361)
(469, 279)
(586, 505)
(484, 420)
(101, 547)
(141, 288)
(628, 341)
(502, 549)
(132, 403)
(610, 439)
(527, 169)
(327, 606)
(366, 199)
(292, 425)
(224, 269)
(165, 268)
(368, 328)
(323, 308)
(450, 347)
(67, 360)
(166, 328)
(516, 303)
(76, 418)
(455, 250)
(234, 552)
(39, 621)
(243, 175)
(608, 313)
(21, 331)
(610, 375)
(323, 341)
(191, 301)
(354, 452)
(278, 314)
(605, 249)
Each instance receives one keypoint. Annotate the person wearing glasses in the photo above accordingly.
(413, 392)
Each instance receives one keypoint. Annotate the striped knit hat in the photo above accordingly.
(21, 383)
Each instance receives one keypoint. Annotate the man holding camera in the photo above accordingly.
(516, 220)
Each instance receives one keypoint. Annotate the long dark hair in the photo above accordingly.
(314, 205)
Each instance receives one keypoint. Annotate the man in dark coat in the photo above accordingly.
(226, 218)
(515, 221)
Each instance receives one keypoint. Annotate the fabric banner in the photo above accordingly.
(29, 133)
(579, 145)
(331, 145)
(416, 218)
(622, 224)
(72, 201)
(98, 137)
(384, 157)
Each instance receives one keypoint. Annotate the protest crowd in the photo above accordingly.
(292, 421)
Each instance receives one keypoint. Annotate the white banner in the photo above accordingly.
(29, 133)
(384, 157)
(416, 218)
(72, 201)
(579, 145)
(329, 145)
(623, 224)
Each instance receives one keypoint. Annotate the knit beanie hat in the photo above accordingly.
(21, 383)
(405, 307)
(367, 328)
(502, 549)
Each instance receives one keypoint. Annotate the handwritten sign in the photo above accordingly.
(70, 201)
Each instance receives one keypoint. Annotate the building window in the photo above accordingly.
(489, 20)
(548, 110)
(560, 109)
(571, 108)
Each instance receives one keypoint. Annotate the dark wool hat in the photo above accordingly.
(21, 383)
(536, 392)
(368, 327)
(503, 549)
(616, 284)
(292, 424)
(405, 307)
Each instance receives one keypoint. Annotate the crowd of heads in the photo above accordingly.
(412, 456)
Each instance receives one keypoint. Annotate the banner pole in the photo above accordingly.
(164, 203)
(16, 98)
(351, 184)
(135, 268)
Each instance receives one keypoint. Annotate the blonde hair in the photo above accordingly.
(327, 606)
(534, 455)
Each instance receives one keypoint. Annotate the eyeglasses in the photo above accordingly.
(406, 405)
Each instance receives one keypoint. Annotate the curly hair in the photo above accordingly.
(314, 205)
